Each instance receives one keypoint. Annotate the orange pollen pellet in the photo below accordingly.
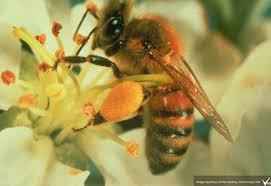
(132, 148)
(79, 39)
(89, 109)
(8, 77)
(92, 7)
(123, 101)
(56, 28)
(27, 101)
(41, 38)
(44, 67)
(59, 54)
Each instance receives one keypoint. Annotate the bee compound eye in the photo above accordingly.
(114, 28)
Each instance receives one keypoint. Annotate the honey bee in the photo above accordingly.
(149, 44)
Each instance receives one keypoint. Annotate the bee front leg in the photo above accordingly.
(96, 60)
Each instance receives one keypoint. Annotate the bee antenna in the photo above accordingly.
(85, 41)
(92, 9)
(80, 23)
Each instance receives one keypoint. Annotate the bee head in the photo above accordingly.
(114, 17)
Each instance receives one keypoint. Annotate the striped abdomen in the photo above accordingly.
(168, 131)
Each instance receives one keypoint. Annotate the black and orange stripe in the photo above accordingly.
(169, 132)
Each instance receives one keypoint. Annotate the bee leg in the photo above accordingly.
(101, 61)
(96, 60)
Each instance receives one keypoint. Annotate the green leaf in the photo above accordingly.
(28, 65)
(14, 117)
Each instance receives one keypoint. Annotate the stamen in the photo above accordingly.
(79, 39)
(43, 67)
(56, 91)
(55, 30)
(110, 135)
(46, 56)
(41, 38)
(25, 84)
(59, 54)
(86, 40)
(91, 6)
(132, 148)
(73, 78)
(93, 9)
(38, 111)
(27, 101)
(8, 77)
(89, 109)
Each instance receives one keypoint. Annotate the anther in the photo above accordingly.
(8, 77)
(44, 67)
(56, 28)
(91, 7)
(27, 101)
(132, 148)
(59, 54)
(89, 110)
(41, 38)
(79, 39)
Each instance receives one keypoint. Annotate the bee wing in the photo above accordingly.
(185, 79)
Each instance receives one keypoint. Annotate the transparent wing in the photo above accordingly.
(185, 79)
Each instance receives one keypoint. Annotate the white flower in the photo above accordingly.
(35, 157)
(33, 161)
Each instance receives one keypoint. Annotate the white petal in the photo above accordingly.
(60, 174)
(121, 169)
(29, 13)
(29, 161)
(213, 60)
(9, 60)
(9, 50)
(252, 147)
(245, 86)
